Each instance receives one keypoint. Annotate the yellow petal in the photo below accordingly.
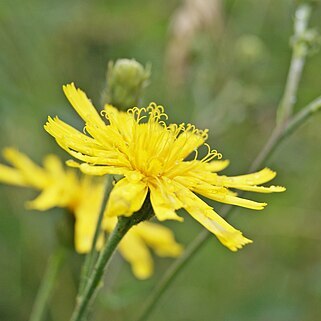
(261, 189)
(95, 126)
(133, 250)
(126, 198)
(11, 176)
(70, 138)
(53, 164)
(219, 194)
(217, 165)
(227, 235)
(50, 197)
(122, 122)
(109, 223)
(257, 178)
(82, 104)
(86, 214)
(234, 200)
(159, 238)
(164, 203)
(72, 163)
(185, 144)
(99, 170)
(204, 214)
(32, 173)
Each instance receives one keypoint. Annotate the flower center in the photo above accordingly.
(157, 148)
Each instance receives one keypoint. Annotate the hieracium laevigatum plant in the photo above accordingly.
(154, 168)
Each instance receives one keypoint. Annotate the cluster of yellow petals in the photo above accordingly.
(82, 196)
(158, 160)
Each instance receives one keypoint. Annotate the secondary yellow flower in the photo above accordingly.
(61, 187)
(153, 159)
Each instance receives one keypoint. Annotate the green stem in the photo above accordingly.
(299, 54)
(302, 116)
(90, 257)
(47, 284)
(123, 225)
(95, 277)
(285, 108)
(280, 133)
(283, 128)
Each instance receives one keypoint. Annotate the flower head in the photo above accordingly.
(82, 196)
(155, 158)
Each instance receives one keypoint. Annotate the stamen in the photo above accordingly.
(196, 154)
(211, 154)
(162, 123)
(156, 112)
(103, 113)
(136, 112)
(191, 128)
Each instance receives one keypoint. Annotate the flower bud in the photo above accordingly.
(125, 81)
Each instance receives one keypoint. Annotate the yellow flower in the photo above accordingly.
(153, 159)
(83, 196)
(56, 185)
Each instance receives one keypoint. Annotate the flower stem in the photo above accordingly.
(284, 127)
(47, 284)
(92, 283)
(90, 257)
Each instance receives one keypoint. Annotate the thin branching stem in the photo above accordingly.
(285, 126)
(203, 236)
(285, 108)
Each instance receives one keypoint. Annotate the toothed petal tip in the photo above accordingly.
(277, 189)
(235, 242)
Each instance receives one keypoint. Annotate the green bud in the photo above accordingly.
(125, 81)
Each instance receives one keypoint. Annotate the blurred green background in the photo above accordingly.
(219, 64)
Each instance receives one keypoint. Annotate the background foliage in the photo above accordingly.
(221, 65)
